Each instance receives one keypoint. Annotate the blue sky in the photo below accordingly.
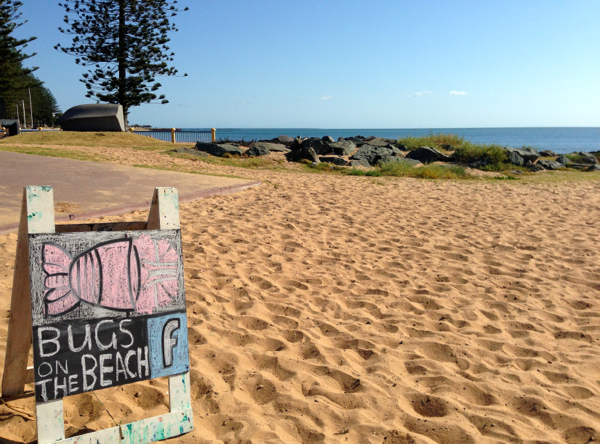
(358, 64)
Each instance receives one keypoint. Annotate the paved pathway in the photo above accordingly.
(92, 189)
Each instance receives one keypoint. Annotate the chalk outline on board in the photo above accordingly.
(172, 341)
(71, 243)
(75, 262)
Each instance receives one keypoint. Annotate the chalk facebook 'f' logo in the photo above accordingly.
(169, 342)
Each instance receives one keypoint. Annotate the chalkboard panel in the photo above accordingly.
(108, 308)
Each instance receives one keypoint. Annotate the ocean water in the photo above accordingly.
(560, 140)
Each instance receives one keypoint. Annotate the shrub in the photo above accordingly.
(399, 169)
(470, 152)
(439, 141)
(578, 158)
(355, 172)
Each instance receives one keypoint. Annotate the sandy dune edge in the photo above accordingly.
(345, 309)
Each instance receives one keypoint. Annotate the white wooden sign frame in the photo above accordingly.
(37, 216)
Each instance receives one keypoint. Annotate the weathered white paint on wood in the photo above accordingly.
(164, 215)
(37, 216)
(50, 421)
(145, 431)
(40, 209)
(164, 212)
(179, 392)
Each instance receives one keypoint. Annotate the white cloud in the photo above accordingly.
(326, 98)
(458, 93)
(419, 94)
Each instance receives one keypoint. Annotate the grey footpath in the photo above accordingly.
(97, 189)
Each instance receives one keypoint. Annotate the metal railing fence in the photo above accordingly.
(179, 136)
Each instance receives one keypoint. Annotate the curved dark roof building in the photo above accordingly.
(94, 117)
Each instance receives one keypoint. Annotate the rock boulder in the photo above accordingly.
(372, 154)
(219, 150)
(258, 149)
(381, 141)
(427, 154)
(306, 152)
(528, 154)
(334, 160)
(278, 147)
(515, 158)
(360, 162)
(286, 140)
(316, 144)
(587, 157)
(343, 148)
(550, 164)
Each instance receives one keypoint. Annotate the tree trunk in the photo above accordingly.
(122, 60)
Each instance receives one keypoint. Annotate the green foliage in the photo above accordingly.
(578, 158)
(13, 76)
(355, 172)
(469, 152)
(432, 171)
(439, 141)
(399, 169)
(43, 102)
(125, 44)
(503, 166)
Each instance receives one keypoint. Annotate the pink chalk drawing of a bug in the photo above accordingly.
(122, 274)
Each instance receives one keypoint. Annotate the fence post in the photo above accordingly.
(213, 134)
(173, 135)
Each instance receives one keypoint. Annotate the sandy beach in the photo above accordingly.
(339, 309)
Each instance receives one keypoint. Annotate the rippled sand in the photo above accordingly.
(361, 310)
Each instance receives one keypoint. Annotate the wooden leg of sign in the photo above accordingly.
(37, 216)
(50, 421)
(164, 212)
(164, 215)
(179, 392)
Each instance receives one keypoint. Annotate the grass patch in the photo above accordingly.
(233, 161)
(432, 171)
(503, 166)
(184, 170)
(55, 152)
(399, 169)
(357, 172)
(77, 138)
(470, 152)
(439, 141)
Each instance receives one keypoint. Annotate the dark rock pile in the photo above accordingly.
(370, 151)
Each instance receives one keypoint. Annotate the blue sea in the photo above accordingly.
(560, 140)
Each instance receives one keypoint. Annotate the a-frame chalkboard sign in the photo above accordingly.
(103, 305)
